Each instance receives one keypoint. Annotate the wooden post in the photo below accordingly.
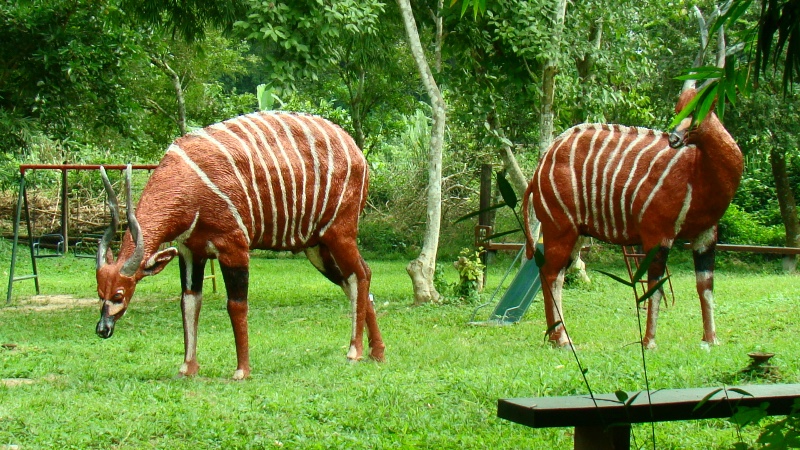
(485, 217)
(65, 210)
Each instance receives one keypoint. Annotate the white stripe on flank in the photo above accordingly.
(596, 201)
(305, 207)
(687, 201)
(622, 165)
(260, 151)
(288, 235)
(623, 198)
(294, 229)
(278, 168)
(321, 126)
(664, 152)
(660, 183)
(586, 192)
(224, 150)
(213, 188)
(575, 137)
(248, 150)
(549, 157)
(346, 149)
(604, 194)
(573, 173)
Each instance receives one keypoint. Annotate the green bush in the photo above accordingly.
(740, 227)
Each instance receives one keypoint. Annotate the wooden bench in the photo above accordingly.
(607, 425)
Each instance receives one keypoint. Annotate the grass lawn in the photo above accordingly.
(63, 387)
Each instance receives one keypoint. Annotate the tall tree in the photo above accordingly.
(421, 270)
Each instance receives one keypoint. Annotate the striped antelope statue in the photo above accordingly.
(277, 181)
(629, 186)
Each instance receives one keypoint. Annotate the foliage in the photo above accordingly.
(470, 270)
(190, 19)
(778, 434)
(740, 227)
(300, 36)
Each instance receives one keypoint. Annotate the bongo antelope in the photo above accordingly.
(627, 186)
(277, 181)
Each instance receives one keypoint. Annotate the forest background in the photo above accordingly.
(115, 81)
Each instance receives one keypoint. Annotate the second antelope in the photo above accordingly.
(630, 186)
(261, 181)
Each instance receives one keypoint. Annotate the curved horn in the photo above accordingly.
(108, 236)
(132, 264)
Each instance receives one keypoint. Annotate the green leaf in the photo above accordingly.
(685, 112)
(705, 399)
(708, 96)
(734, 13)
(477, 213)
(506, 191)
(645, 264)
(740, 391)
(616, 278)
(632, 399)
(550, 329)
(652, 290)
(538, 256)
(504, 233)
(621, 395)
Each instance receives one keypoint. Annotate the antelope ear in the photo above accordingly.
(158, 260)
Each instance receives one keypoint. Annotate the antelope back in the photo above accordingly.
(285, 178)
(603, 180)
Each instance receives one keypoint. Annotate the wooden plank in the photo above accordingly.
(753, 249)
(667, 405)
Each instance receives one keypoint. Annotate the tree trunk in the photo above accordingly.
(180, 120)
(421, 270)
(549, 81)
(787, 205)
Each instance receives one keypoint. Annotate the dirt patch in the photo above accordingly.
(14, 382)
(54, 302)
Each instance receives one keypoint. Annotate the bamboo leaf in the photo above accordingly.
(477, 213)
(685, 112)
(632, 399)
(550, 329)
(645, 264)
(506, 191)
(538, 256)
(740, 391)
(504, 233)
(652, 290)
(708, 95)
(615, 278)
(705, 399)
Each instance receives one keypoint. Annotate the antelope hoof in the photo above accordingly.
(376, 353)
(188, 369)
(354, 354)
(241, 374)
(649, 344)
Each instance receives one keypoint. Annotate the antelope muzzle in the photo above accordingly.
(105, 326)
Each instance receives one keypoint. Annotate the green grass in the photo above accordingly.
(437, 389)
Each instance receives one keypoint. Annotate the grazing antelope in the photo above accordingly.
(627, 186)
(277, 181)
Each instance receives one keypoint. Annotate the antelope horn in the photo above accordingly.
(108, 236)
(132, 264)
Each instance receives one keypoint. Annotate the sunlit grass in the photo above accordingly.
(437, 389)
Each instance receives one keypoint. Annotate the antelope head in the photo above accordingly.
(681, 135)
(116, 280)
